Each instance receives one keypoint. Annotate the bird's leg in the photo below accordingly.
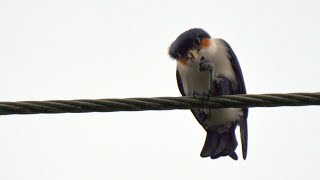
(208, 65)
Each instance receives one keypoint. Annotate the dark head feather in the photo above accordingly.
(186, 41)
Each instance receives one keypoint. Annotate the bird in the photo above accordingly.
(209, 67)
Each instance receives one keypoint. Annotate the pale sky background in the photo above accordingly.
(71, 49)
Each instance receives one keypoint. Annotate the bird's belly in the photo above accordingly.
(197, 83)
(219, 117)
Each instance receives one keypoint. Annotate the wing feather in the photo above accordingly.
(240, 89)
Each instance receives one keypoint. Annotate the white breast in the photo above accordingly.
(218, 53)
(195, 81)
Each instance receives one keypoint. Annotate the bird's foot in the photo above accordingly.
(205, 96)
(206, 65)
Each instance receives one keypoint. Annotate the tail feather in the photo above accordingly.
(220, 144)
(211, 143)
(244, 136)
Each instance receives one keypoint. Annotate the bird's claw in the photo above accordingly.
(204, 96)
(206, 65)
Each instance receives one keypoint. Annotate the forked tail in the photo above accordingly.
(219, 144)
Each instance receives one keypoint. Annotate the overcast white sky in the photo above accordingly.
(71, 49)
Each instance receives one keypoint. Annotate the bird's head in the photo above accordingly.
(187, 44)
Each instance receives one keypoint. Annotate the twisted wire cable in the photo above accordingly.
(158, 103)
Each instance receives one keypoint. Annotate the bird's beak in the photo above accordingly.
(193, 54)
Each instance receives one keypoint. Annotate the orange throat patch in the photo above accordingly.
(205, 42)
(183, 61)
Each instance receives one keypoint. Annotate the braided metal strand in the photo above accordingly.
(158, 103)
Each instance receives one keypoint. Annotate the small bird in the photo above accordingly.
(208, 67)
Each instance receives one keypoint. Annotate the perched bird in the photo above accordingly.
(208, 67)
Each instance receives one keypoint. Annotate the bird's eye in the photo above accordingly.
(197, 41)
